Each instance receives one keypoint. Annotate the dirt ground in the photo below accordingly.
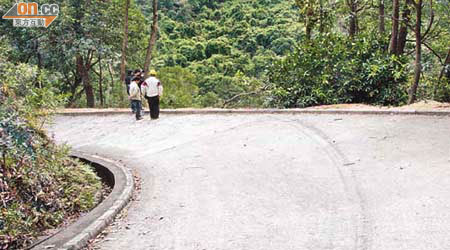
(422, 105)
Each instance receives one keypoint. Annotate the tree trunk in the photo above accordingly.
(73, 88)
(90, 100)
(153, 36)
(38, 83)
(308, 21)
(394, 33)
(403, 33)
(417, 63)
(100, 81)
(381, 23)
(309, 15)
(125, 43)
(321, 17)
(84, 73)
(353, 27)
(111, 75)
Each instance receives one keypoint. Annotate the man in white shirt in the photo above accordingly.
(152, 90)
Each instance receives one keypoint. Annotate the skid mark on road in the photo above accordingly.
(215, 135)
(363, 231)
(358, 232)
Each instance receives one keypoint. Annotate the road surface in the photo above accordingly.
(277, 182)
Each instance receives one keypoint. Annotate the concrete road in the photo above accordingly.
(277, 182)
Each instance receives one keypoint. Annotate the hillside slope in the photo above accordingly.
(40, 185)
(227, 45)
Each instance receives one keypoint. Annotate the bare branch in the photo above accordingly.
(414, 3)
(430, 24)
(410, 26)
(244, 94)
(363, 7)
(93, 70)
(93, 64)
(432, 51)
(410, 52)
(432, 34)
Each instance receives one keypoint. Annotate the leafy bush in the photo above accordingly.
(435, 89)
(209, 99)
(335, 69)
(32, 91)
(179, 88)
(442, 90)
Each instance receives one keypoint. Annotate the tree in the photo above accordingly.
(381, 14)
(84, 66)
(152, 40)
(314, 11)
(84, 63)
(307, 8)
(403, 32)
(355, 7)
(418, 5)
(125, 43)
(395, 24)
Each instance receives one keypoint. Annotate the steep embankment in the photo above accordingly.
(40, 186)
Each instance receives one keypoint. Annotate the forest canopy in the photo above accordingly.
(234, 53)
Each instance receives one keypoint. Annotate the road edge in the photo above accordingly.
(87, 112)
(77, 235)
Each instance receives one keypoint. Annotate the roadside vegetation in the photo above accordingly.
(40, 186)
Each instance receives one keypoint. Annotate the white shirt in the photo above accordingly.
(135, 93)
(152, 87)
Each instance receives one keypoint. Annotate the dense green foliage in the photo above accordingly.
(180, 87)
(263, 44)
(335, 70)
(222, 53)
(40, 186)
(226, 45)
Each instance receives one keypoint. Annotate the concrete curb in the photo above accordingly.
(77, 235)
(262, 111)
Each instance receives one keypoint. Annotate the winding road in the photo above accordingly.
(276, 182)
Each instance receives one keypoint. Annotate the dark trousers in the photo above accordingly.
(128, 89)
(153, 104)
(133, 106)
(138, 107)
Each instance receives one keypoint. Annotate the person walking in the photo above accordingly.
(152, 90)
(135, 76)
(136, 99)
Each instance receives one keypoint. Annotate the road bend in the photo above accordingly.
(276, 182)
